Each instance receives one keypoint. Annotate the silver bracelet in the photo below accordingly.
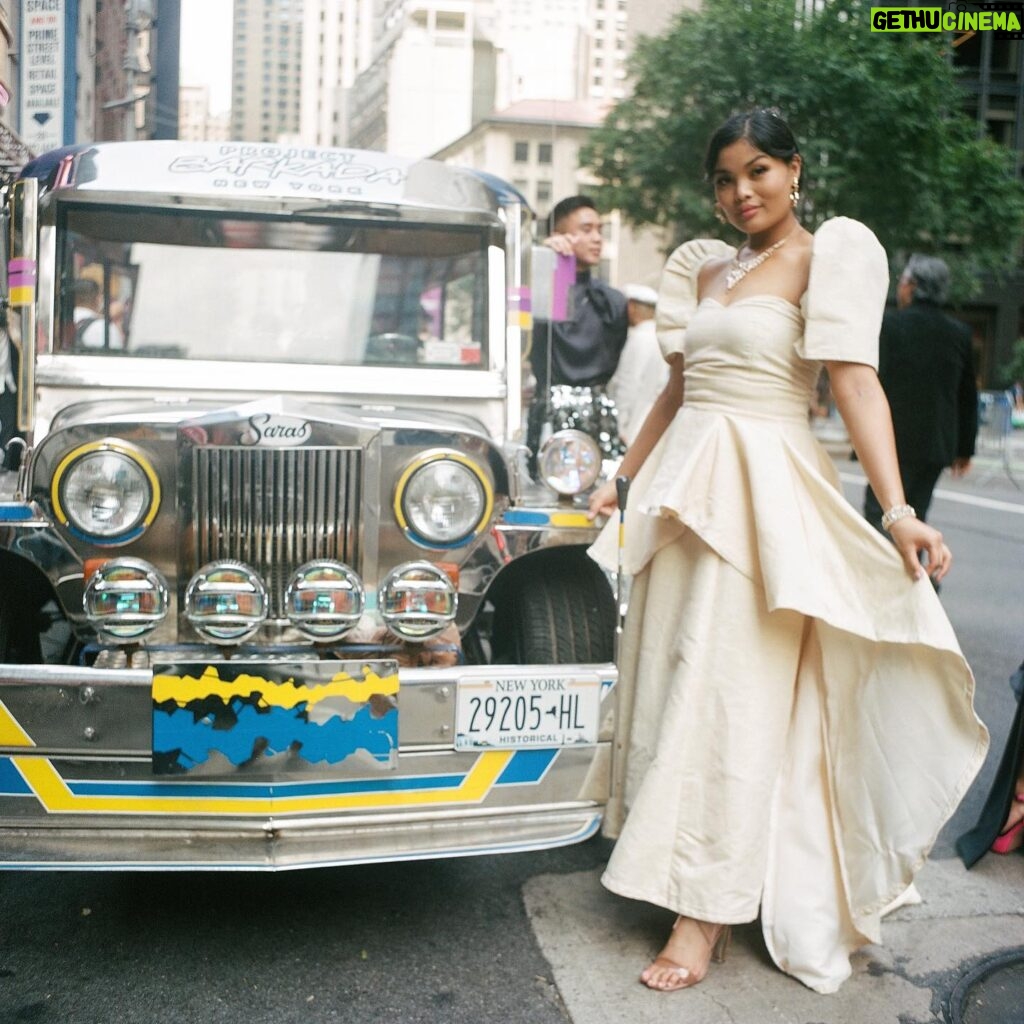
(896, 513)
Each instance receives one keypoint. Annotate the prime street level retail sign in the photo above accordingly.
(42, 74)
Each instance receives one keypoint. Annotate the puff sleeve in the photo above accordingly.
(677, 293)
(845, 295)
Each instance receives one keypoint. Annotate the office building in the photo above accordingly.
(266, 57)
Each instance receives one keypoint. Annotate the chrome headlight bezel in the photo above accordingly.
(569, 462)
(230, 581)
(128, 478)
(321, 580)
(118, 579)
(430, 481)
(433, 600)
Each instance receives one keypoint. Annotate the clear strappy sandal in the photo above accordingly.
(665, 975)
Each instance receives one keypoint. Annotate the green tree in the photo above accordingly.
(878, 118)
(1013, 371)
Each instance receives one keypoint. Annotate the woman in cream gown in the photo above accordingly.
(795, 716)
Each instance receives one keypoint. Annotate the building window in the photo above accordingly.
(543, 191)
(521, 152)
(543, 152)
(1005, 55)
(450, 21)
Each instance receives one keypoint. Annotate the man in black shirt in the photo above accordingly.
(583, 351)
(925, 363)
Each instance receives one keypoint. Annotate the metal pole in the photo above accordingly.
(622, 493)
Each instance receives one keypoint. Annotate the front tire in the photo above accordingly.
(561, 612)
(19, 638)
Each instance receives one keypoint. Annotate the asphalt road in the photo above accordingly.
(445, 941)
(416, 942)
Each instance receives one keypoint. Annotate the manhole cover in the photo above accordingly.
(992, 993)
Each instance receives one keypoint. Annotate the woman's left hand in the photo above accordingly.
(912, 537)
(604, 501)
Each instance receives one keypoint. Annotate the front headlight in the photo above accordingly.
(569, 461)
(417, 600)
(105, 491)
(226, 602)
(126, 598)
(443, 499)
(324, 599)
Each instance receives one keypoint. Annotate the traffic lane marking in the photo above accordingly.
(964, 499)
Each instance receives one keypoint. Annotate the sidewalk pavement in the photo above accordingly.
(955, 958)
(597, 943)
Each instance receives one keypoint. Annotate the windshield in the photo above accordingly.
(186, 285)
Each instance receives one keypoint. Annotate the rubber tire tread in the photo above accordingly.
(6, 632)
(564, 616)
(17, 644)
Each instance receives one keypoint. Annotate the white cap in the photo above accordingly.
(641, 293)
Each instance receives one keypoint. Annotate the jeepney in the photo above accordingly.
(276, 587)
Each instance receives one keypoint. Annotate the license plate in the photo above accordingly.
(299, 715)
(527, 712)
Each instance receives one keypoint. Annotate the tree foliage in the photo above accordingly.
(879, 119)
(1013, 371)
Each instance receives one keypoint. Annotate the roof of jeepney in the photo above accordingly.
(261, 171)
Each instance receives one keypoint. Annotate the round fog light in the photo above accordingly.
(569, 462)
(126, 598)
(226, 602)
(324, 599)
(417, 600)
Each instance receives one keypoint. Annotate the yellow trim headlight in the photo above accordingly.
(443, 499)
(105, 492)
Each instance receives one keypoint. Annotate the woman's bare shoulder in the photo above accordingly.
(710, 271)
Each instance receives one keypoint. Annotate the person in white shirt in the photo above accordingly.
(642, 371)
(91, 328)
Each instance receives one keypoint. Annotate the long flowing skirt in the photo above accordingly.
(758, 768)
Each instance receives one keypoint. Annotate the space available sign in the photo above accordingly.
(42, 74)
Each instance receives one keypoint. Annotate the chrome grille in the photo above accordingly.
(275, 509)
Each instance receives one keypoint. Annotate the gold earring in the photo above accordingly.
(719, 214)
(794, 192)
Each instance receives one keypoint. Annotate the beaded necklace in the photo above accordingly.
(740, 268)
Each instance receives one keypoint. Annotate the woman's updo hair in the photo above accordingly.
(763, 127)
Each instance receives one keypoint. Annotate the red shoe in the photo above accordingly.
(1013, 838)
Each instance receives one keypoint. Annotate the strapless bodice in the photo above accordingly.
(742, 359)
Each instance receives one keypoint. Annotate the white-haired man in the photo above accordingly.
(925, 363)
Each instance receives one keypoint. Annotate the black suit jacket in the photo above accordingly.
(927, 370)
(585, 350)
